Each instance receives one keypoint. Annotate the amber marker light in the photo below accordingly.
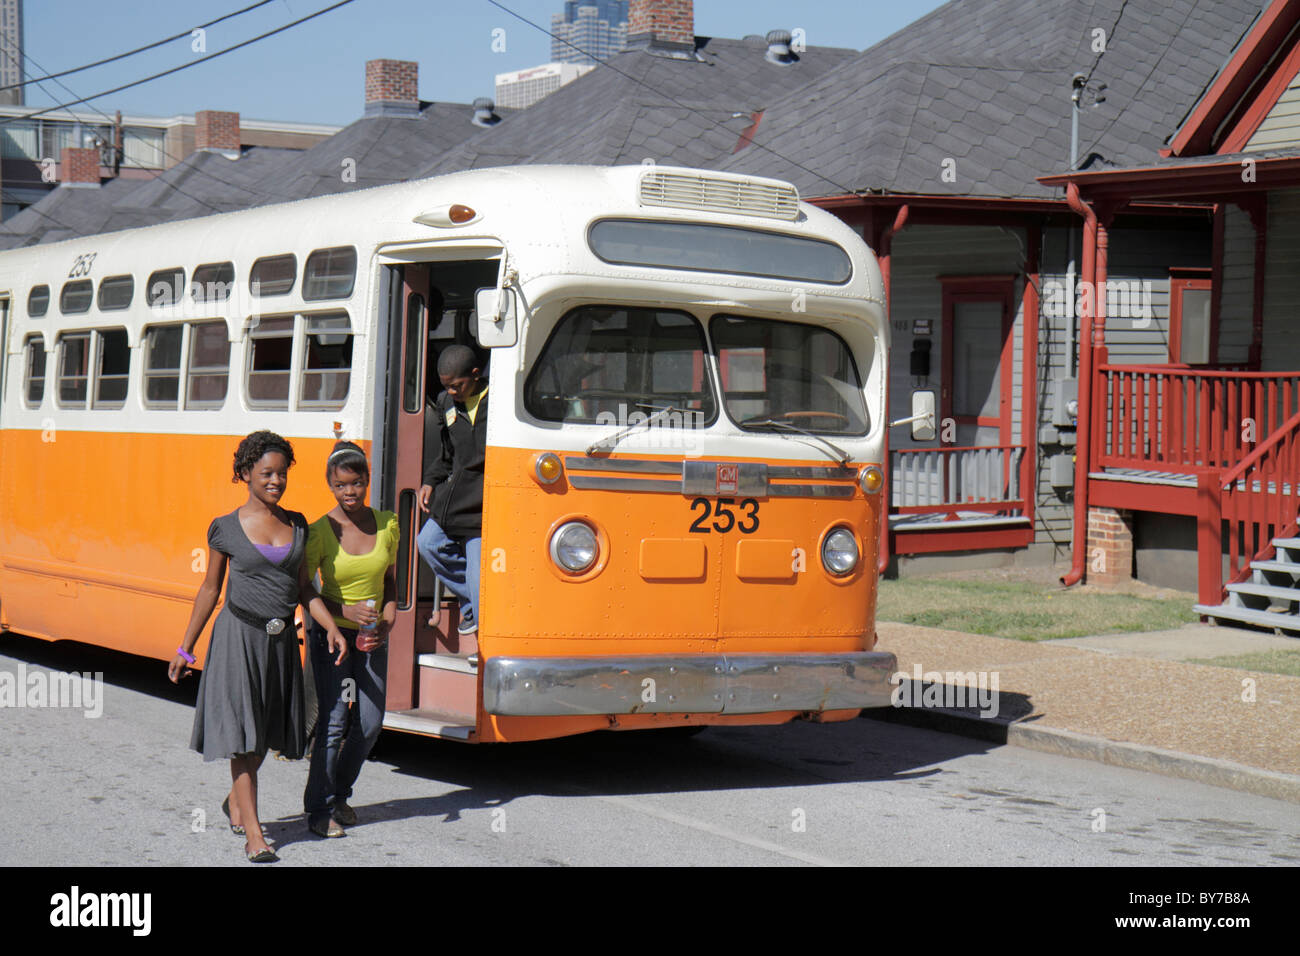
(871, 479)
(547, 468)
(443, 217)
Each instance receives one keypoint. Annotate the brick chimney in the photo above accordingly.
(217, 131)
(392, 88)
(662, 24)
(79, 167)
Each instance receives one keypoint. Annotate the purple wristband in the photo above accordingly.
(185, 654)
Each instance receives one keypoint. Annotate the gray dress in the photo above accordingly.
(251, 691)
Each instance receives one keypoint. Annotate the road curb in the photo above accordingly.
(1068, 743)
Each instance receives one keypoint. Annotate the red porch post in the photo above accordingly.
(884, 256)
(1209, 537)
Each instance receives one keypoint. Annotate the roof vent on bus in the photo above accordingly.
(778, 48)
(683, 189)
(483, 112)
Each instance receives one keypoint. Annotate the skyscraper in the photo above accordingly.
(11, 51)
(597, 28)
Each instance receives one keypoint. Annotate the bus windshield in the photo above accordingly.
(802, 375)
(604, 365)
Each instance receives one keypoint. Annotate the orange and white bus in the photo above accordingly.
(682, 492)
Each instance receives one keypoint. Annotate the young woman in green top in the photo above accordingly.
(354, 548)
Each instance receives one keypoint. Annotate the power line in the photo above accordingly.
(41, 83)
(183, 66)
(605, 63)
(139, 49)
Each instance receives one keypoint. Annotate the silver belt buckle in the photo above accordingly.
(274, 626)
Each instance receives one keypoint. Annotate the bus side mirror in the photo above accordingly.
(497, 314)
(923, 415)
(922, 418)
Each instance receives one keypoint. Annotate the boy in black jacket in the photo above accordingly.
(451, 540)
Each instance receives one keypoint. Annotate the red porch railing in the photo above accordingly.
(987, 478)
(1258, 499)
(1177, 419)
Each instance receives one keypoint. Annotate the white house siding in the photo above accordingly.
(1281, 127)
(1237, 295)
(1281, 350)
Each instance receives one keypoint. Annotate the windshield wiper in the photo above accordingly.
(607, 444)
(839, 453)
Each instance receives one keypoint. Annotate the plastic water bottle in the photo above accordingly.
(366, 640)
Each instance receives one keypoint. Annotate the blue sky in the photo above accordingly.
(314, 72)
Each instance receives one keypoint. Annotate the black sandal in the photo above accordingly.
(225, 808)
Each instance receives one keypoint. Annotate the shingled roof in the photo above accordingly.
(199, 185)
(383, 149)
(685, 110)
(378, 149)
(982, 88)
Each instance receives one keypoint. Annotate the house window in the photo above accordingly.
(76, 296)
(38, 301)
(34, 382)
(212, 282)
(270, 361)
(164, 287)
(115, 293)
(273, 275)
(327, 360)
(1190, 332)
(329, 274)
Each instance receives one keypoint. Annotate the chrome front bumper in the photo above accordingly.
(712, 684)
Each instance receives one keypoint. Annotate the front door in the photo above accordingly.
(977, 356)
(976, 391)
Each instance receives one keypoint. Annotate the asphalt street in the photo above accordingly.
(123, 788)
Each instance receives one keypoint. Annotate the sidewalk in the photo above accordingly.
(1124, 699)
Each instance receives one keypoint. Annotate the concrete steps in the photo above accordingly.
(1270, 599)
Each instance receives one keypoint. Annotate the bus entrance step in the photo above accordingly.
(449, 684)
(434, 723)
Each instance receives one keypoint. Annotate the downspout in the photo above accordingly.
(884, 257)
(1083, 440)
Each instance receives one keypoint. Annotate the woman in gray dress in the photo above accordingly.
(251, 692)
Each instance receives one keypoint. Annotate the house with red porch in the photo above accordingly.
(932, 142)
(1200, 455)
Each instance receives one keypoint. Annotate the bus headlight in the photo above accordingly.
(574, 547)
(840, 552)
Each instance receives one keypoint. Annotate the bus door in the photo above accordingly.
(402, 451)
(432, 674)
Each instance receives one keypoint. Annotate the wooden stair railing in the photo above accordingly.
(1258, 498)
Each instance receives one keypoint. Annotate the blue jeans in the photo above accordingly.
(344, 737)
(455, 563)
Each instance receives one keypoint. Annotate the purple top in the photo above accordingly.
(275, 553)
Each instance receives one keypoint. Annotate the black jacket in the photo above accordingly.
(457, 474)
